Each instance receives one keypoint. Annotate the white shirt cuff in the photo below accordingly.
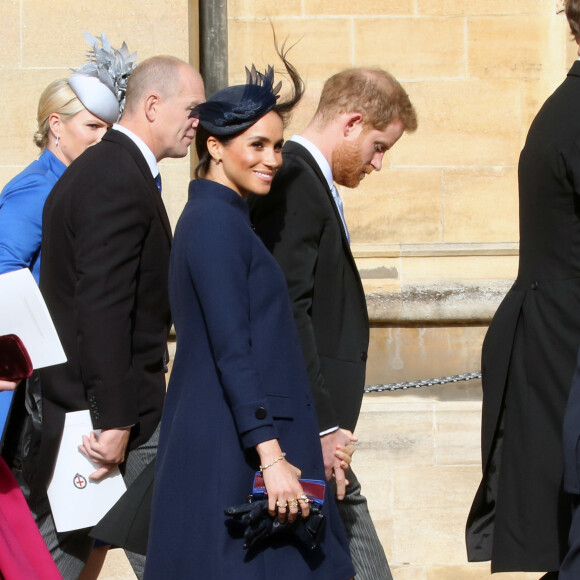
(331, 430)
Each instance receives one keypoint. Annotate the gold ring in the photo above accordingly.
(303, 498)
(279, 505)
(293, 503)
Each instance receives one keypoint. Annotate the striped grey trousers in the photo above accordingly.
(366, 551)
(70, 550)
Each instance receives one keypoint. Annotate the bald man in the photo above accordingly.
(106, 242)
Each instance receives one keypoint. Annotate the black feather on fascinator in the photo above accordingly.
(234, 109)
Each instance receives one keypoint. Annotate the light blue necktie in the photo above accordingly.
(338, 203)
(158, 181)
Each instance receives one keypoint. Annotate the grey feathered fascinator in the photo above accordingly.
(101, 83)
(234, 109)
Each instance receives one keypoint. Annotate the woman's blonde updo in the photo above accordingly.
(59, 98)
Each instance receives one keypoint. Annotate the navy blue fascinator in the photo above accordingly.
(234, 109)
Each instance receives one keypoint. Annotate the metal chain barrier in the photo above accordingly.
(423, 383)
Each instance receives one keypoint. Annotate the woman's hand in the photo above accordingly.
(8, 385)
(282, 485)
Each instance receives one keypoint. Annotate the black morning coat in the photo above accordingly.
(520, 515)
(105, 251)
(300, 224)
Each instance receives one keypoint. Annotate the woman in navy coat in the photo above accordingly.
(239, 398)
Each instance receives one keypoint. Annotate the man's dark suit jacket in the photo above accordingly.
(300, 224)
(105, 247)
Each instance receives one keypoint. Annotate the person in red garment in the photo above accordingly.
(23, 553)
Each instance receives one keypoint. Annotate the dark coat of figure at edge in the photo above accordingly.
(521, 514)
(239, 380)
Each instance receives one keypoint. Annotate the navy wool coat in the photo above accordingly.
(239, 379)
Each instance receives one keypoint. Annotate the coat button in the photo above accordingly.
(364, 355)
(260, 413)
(534, 285)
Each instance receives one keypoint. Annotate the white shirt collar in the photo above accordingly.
(320, 159)
(147, 153)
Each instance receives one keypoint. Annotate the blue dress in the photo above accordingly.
(21, 204)
(239, 378)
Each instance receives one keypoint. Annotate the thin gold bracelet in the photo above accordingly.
(262, 467)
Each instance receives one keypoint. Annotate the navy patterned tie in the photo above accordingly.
(158, 181)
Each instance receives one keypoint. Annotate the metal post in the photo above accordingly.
(213, 43)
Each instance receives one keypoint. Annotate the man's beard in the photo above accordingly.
(347, 165)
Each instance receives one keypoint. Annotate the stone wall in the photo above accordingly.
(434, 234)
(41, 41)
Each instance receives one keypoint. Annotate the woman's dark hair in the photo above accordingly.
(572, 9)
(284, 110)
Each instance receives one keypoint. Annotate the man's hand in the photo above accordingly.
(107, 449)
(345, 455)
(339, 441)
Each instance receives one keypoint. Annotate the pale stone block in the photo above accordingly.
(19, 113)
(459, 268)
(116, 567)
(495, 7)
(461, 302)
(474, 571)
(333, 40)
(396, 205)
(412, 60)
(481, 205)
(408, 571)
(10, 42)
(375, 473)
(305, 109)
(149, 27)
(513, 46)
(457, 433)
(363, 7)
(407, 354)
(398, 436)
(263, 8)
(431, 506)
(459, 124)
(514, 576)
(475, 336)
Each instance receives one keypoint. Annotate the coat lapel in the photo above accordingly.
(575, 70)
(302, 152)
(122, 139)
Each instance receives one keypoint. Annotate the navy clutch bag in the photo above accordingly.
(259, 528)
